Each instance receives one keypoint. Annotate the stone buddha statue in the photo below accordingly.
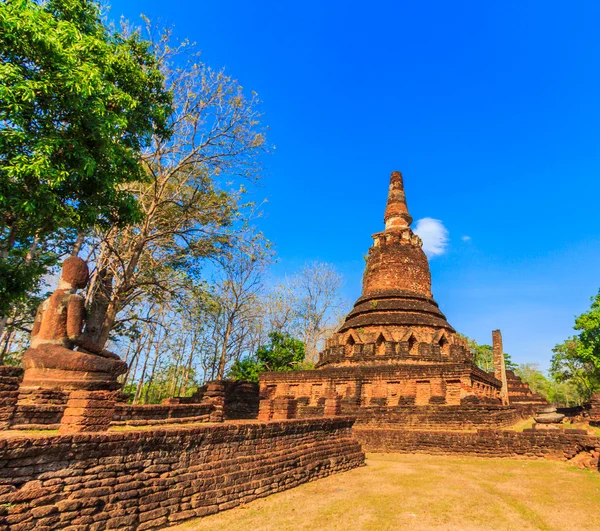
(52, 361)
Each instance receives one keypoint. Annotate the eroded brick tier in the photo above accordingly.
(396, 319)
(520, 394)
(396, 347)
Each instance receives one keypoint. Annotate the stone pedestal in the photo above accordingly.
(278, 408)
(51, 367)
(265, 410)
(284, 408)
(547, 418)
(10, 378)
(333, 405)
(88, 411)
(215, 396)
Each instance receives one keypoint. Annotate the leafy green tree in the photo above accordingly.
(283, 353)
(559, 393)
(78, 102)
(588, 324)
(531, 374)
(568, 367)
(192, 200)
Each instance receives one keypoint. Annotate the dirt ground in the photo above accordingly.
(418, 492)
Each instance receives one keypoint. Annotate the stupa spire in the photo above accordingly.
(396, 211)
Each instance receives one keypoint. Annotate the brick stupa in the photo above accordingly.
(395, 350)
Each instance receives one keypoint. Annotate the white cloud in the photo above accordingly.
(466, 238)
(434, 236)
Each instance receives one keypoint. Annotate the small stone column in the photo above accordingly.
(499, 365)
(333, 404)
(284, 408)
(10, 379)
(265, 410)
(215, 396)
(88, 411)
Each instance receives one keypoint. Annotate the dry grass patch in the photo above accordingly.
(527, 423)
(422, 492)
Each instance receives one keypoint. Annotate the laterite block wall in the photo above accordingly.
(548, 444)
(136, 480)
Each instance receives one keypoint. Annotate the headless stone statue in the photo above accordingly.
(51, 362)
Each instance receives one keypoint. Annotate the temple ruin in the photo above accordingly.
(396, 358)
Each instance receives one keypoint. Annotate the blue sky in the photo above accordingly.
(491, 110)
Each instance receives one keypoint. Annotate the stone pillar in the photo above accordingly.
(10, 379)
(215, 395)
(333, 404)
(499, 366)
(265, 410)
(88, 411)
(284, 408)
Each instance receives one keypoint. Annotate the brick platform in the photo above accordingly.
(561, 445)
(395, 347)
(88, 411)
(150, 479)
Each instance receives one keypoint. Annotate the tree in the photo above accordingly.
(568, 367)
(236, 293)
(588, 324)
(556, 392)
(190, 211)
(307, 305)
(316, 288)
(531, 374)
(78, 102)
(283, 353)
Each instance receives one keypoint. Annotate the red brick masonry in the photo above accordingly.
(563, 445)
(150, 479)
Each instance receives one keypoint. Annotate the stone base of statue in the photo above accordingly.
(56, 367)
(547, 418)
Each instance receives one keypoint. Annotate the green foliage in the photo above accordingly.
(559, 393)
(568, 367)
(575, 364)
(588, 345)
(165, 383)
(78, 102)
(246, 369)
(283, 353)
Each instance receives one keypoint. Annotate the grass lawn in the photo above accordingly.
(418, 492)
(528, 423)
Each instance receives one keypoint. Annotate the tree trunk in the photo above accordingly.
(152, 373)
(109, 321)
(78, 243)
(101, 300)
(223, 357)
(138, 392)
(188, 369)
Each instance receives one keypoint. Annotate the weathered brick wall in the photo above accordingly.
(547, 444)
(520, 394)
(10, 378)
(140, 415)
(42, 416)
(436, 417)
(449, 383)
(241, 400)
(150, 479)
(48, 416)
